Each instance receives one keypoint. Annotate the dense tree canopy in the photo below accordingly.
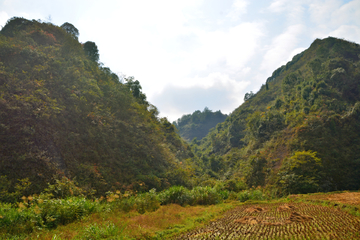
(71, 29)
(198, 123)
(91, 51)
(300, 132)
(63, 114)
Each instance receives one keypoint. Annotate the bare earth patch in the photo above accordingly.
(280, 221)
(351, 198)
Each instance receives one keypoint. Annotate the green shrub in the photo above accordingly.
(235, 185)
(254, 195)
(35, 212)
(126, 204)
(63, 211)
(147, 202)
(95, 231)
(63, 188)
(176, 194)
(205, 196)
(18, 191)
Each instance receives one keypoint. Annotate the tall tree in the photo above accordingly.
(91, 51)
(71, 29)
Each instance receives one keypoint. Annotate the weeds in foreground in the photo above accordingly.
(45, 211)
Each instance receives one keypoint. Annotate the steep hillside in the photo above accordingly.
(198, 124)
(63, 113)
(300, 132)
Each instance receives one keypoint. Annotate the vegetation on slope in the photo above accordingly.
(64, 113)
(300, 132)
(198, 124)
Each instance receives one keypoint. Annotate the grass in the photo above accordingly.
(45, 212)
(150, 215)
(163, 223)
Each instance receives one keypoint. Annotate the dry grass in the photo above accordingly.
(280, 221)
(351, 198)
(166, 221)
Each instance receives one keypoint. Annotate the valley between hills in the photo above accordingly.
(85, 155)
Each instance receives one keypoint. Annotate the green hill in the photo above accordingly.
(300, 132)
(198, 124)
(63, 114)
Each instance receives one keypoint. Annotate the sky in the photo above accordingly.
(192, 54)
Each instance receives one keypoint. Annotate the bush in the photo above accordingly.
(62, 211)
(147, 202)
(94, 231)
(205, 196)
(196, 196)
(63, 188)
(235, 185)
(255, 195)
(37, 212)
(18, 191)
(176, 194)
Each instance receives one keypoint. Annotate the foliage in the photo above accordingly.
(147, 202)
(20, 189)
(64, 114)
(196, 196)
(44, 211)
(307, 107)
(198, 124)
(300, 174)
(36, 212)
(252, 195)
(91, 51)
(71, 29)
(95, 231)
(248, 96)
(63, 188)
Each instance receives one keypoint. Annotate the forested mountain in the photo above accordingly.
(62, 113)
(300, 132)
(198, 124)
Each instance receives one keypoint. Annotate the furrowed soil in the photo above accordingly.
(295, 220)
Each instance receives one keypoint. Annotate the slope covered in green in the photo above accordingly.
(198, 124)
(300, 132)
(63, 113)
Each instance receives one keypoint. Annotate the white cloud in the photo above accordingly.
(294, 52)
(321, 11)
(334, 18)
(351, 33)
(207, 51)
(3, 18)
(293, 10)
(239, 7)
(348, 13)
(281, 47)
(216, 91)
(231, 48)
(278, 6)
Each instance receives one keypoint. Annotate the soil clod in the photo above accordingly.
(255, 209)
(297, 217)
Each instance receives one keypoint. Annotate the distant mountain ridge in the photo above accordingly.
(198, 124)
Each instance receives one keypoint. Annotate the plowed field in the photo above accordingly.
(280, 221)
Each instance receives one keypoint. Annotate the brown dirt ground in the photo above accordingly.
(351, 198)
(296, 220)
